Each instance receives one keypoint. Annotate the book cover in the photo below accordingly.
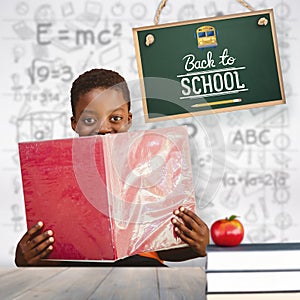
(255, 296)
(268, 256)
(107, 197)
(253, 281)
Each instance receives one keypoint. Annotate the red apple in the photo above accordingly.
(227, 232)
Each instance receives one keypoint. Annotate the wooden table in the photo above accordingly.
(102, 283)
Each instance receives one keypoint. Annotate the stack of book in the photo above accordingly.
(253, 268)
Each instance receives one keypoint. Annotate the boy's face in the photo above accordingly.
(101, 111)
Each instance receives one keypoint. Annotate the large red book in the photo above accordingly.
(108, 197)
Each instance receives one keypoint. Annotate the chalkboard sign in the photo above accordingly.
(210, 65)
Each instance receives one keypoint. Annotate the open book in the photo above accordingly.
(107, 197)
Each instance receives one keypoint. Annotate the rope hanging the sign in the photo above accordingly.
(150, 38)
(158, 11)
(164, 2)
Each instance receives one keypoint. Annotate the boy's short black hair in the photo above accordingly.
(98, 78)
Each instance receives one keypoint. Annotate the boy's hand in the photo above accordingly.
(34, 246)
(191, 229)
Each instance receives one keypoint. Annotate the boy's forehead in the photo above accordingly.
(107, 98)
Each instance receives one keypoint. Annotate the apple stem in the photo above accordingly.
(232, 217)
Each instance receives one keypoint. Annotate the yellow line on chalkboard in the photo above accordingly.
(217, 102)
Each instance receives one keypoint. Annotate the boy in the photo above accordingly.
(100, 103)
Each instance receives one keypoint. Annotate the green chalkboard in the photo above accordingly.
(209, 65)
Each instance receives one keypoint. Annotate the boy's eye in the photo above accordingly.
(89, 121)
(116, 118)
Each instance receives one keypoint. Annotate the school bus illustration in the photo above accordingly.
(206, 37)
